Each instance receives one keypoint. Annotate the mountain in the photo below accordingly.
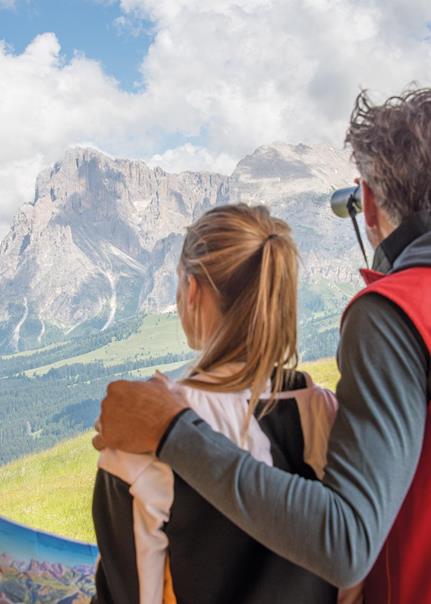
(101, 239)
(46, 583)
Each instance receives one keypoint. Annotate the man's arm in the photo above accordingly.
(335, 528)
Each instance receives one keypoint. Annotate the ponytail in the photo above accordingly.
(250, 261)
(273, 318)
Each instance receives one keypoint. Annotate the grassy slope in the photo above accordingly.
(52, 490)
(323, 372)
(157, 336)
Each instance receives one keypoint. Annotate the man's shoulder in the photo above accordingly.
(370, 310)
(374, 327)
(405, 289)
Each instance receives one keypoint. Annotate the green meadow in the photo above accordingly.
(53, 393)
(52, 490)
(157, 336)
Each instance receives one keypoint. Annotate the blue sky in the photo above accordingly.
(85, 26)
(215, 78)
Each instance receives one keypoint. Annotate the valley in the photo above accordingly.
(52, 490)
(54, 393)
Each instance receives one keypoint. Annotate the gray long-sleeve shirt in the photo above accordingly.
(335, 528)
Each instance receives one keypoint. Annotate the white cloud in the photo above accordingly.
(251, 71)
(190, 156)
(47, 104)
(228, 74)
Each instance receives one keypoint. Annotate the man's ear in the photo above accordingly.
(369, 205)
(192, 291)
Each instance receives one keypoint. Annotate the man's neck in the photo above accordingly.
(390, 248)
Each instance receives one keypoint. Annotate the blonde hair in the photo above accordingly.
(250, 260)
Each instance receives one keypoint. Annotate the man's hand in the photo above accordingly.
(135, 415)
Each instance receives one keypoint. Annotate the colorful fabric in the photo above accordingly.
(39, 567)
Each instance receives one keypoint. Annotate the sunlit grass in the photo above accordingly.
(52, 490)
(324, 372)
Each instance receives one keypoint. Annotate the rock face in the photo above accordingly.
(101, 239)
(296, 182)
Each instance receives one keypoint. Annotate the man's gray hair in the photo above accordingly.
(391, 146)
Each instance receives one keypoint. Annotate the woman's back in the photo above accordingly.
(143, 512)
(237, 302)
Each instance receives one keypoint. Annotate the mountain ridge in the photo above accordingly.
(101, 238)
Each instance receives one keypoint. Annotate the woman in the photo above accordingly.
(160, 542)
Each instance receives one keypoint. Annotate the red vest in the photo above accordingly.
(402, 572)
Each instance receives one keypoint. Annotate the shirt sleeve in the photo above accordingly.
(153, 494)
(132, 499)
(334, 528)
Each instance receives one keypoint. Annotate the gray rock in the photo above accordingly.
(101, 239)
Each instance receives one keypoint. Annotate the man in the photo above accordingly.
(371, 516)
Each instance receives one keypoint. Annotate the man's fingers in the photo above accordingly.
(134, 415)
(115, 387)
(160, 376)
(163, 379)
(98, 442)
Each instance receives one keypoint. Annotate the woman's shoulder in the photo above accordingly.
(227, 412)
(311, 410)
(219, 409)
(313, 400)
(200, 396)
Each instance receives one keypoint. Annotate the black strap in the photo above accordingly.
(353, 209)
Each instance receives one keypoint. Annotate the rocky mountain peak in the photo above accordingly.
(100, 242)
(296, 167)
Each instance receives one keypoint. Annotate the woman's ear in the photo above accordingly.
(192, 291)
